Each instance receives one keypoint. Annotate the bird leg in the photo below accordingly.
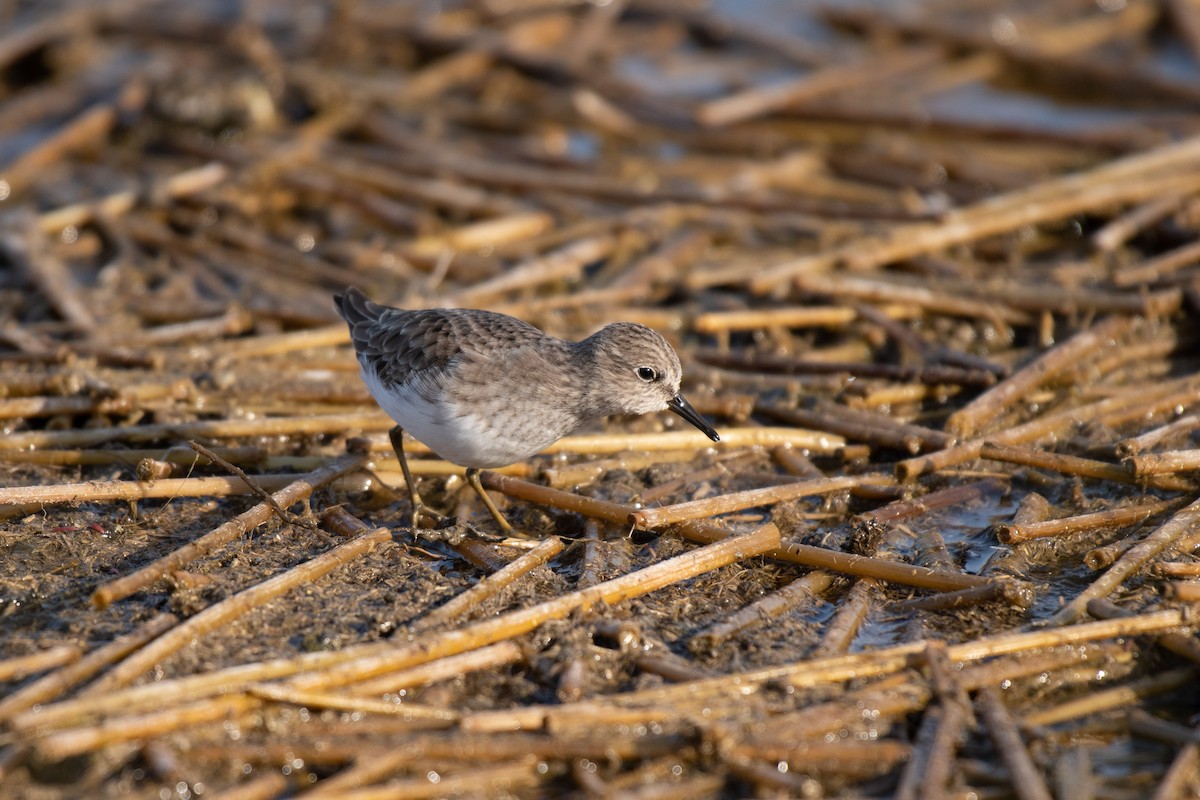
(396, 434)
(419, 508)
(473, 479)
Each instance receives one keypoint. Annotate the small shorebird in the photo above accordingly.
(486, 390)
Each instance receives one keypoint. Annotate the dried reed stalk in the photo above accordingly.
(1023, 773)
(972, 418)
(802, 590)
(1180, 523)
(892, 659)
(17, 667)
(1159, 171)
(295, 491)
(807, 555)
(213, 617)
(477, 595)
(65, 678)
(1083, 467)
(214, 429)
(1011, 533)
(64, 744)
(490, 657)
(1098, 701)
(652, 518)
(514, 623)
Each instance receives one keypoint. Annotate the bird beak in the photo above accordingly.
(684, 409)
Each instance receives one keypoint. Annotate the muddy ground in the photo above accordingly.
(931, 271)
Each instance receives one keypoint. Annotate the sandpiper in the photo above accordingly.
(486, 390)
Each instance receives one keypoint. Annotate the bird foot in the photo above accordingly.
(452, 531)
(508, 531)
(421, 511)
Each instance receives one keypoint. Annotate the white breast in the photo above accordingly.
(460, 437)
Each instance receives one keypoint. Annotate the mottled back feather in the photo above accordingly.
(398, 343)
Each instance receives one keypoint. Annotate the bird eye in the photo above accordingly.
(647, 374)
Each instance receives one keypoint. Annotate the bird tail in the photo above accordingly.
(354, 307)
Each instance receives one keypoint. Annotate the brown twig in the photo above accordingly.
(1180, 523)
(929, 767)
(1011, 533)
(18, 667)
(37, 497)
(806, 316)
(515, 623)
(807, 555)
(1117, 697)
(510, 778)
(361, 705)
(1124, 227)
(1177, 569)
(954, 495)
(230, 428)
(1075, 465)
(652, 518)
(295, 491)
(490, 657)
(851, 613)
(849, 564)
(1183, 591)
(698, 477)
(760, 101)
(1147, 466)
(1023, 773)
(799, 592)
(1145, 441)
(1052, 199)
(1017, 594)
(96, 702)
(778, 365)
(1181, 775)
(1112, 410)
(487, 588)
(566, 263)
(1105, 556)
(49, 274)
(860, 426)
(992, 404)
(1161, 266)
(90, 126)
(68, 676)
(65, 744)
(284, 517)
(817, 672)
(221, 613)
(187, 182)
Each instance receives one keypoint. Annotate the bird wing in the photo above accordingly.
(399, 344)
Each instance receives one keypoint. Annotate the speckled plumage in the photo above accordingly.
(486, 390)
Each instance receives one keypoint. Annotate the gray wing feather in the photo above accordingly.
(398, 343)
